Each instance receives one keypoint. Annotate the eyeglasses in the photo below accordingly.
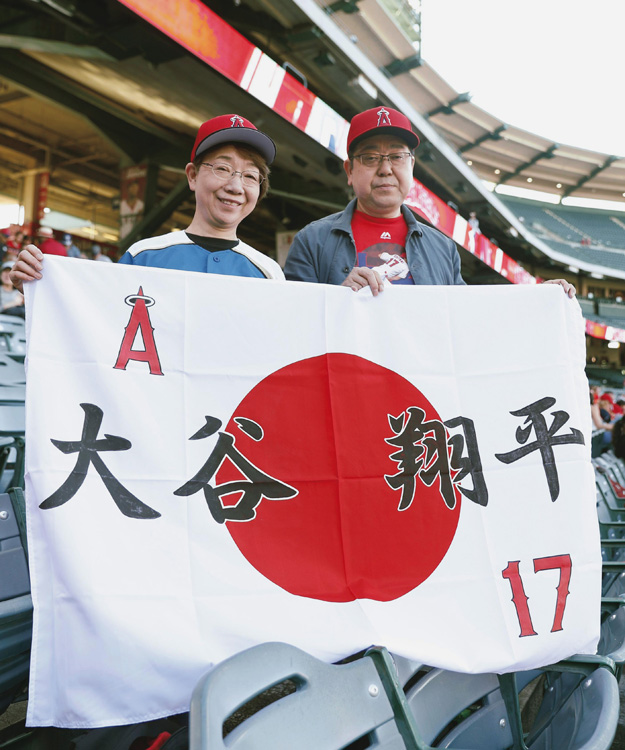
(225, 172)
(373, 159)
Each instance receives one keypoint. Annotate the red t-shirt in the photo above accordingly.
(375, 237)
(53, 247)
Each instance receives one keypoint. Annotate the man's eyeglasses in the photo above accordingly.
(373, 159)
(225, 172)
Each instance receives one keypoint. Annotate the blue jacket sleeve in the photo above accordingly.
(126, 259)
(302, 263)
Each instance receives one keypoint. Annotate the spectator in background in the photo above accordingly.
(16, 240)
(597, 414)
(13, 245)
(97, 254)
(618, 438)
(474, 227)
(72, 250)
(606, 406)
(131, 208)
(11, 300)
(48, 245)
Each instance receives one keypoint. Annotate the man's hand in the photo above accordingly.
(568, 288)
(27, 267)
(361, 277)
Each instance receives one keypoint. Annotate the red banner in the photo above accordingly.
(431, 207)
(199, 30)
(43, 181)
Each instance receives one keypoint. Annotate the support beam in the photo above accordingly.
(134, 137)
(12, 96)
(312, 200)
(597, 170)
(60, 160)
(547, 154)
(448, 109)
(397, 67)
(495, 135)
(56, 47)
(344, 6)
(293, 189)
(302, 35)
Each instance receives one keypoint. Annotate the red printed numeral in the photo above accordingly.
(519, 597)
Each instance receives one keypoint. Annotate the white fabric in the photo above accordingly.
(130, 612)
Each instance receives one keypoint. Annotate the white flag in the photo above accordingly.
(214, 462)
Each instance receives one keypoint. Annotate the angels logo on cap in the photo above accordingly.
(232, 129)
(383, 117)
(381, 120)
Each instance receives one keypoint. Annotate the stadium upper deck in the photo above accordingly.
(88, 90)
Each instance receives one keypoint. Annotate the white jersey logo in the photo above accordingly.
(385, 236)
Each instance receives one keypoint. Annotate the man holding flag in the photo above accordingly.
(376, 237)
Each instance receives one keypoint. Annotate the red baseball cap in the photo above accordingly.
(232, 129)
(381, 120)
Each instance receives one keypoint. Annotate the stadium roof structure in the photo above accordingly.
(93, 87)
(497, 151)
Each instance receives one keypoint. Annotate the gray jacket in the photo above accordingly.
(324, 251)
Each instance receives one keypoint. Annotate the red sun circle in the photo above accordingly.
(342, 538)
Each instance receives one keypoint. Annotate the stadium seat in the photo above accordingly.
(609, 464)
(11, 372)
(13, 336)
(578, 708)
(584, 719)
(331, 707)
(612, 638)
(15, 601)
(12, 423)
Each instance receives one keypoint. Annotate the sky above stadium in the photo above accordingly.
(547, 66)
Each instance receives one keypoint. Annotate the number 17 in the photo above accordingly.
(519, 598)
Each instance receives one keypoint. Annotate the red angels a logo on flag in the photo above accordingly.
(340, 430)
(139, 325)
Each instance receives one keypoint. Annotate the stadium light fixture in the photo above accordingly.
(614, 345)
(597, 275)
